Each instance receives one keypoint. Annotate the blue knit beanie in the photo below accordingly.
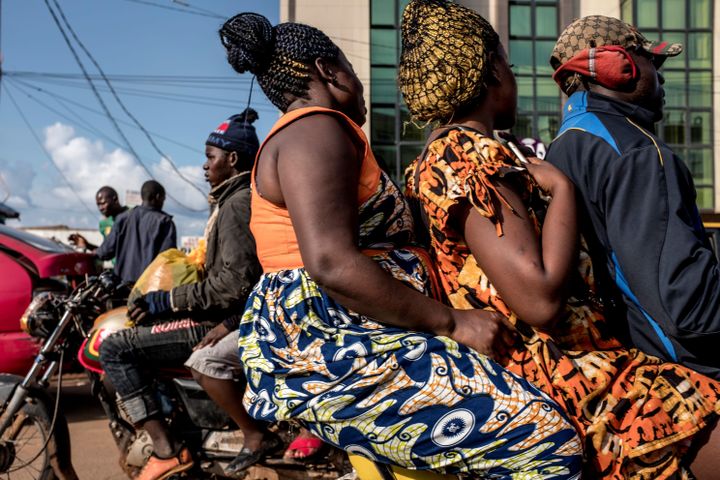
(236, 134)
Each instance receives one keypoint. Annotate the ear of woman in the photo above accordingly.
(495, 76)
(325, 71)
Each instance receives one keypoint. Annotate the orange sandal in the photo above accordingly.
(160, 469)
(307, 447)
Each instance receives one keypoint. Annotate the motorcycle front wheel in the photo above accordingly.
(27, 448)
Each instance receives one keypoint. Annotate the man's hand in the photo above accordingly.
(81, 242)
(150, 306)
(488, 333)
(213, 336)
(78, 240)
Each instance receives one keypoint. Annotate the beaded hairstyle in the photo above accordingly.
(281, 57)
(444, 65)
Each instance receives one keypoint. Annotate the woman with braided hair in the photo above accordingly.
(340, 333)
(504, 235)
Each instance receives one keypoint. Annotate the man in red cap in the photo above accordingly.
(653, 263)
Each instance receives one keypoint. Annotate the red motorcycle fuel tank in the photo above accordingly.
(107, 323)
(113, 321)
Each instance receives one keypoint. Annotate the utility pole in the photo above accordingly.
(1, 53)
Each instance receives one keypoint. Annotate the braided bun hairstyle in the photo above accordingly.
(281, 57)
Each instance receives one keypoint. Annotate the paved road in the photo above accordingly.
(94, 453)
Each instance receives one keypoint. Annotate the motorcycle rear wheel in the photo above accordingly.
(26, 441)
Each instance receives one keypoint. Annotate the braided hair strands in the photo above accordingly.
(248, 39)
(445, 59)
(281, 57)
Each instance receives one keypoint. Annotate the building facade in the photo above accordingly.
(368, 32)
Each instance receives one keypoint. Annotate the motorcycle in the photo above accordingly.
(34, 437)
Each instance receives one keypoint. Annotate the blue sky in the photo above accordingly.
(126, 37)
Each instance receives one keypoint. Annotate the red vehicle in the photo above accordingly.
(30, 265)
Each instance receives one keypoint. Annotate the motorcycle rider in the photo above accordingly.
(339, 334)
(231, 270)
(635, 192)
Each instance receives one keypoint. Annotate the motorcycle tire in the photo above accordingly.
(28, 462)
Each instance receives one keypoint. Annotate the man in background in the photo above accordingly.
(108, 203)
(140, 234)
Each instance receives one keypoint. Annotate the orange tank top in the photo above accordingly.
(277, 245)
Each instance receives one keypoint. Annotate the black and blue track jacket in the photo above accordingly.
(638, 214)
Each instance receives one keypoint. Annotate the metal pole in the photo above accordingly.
(1, 54)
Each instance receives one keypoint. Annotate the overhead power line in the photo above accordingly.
(49, 156)
(164, 95)
(109, 115)
(200, 80)
(189, 6)
(193, 10)
(76, 119)
(99, 98)
(124, 108)
(64, 100)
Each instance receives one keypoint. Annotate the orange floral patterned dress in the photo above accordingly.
(635, 414)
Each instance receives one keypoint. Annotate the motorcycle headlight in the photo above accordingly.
(40, 317)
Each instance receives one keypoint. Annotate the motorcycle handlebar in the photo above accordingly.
(109, 282)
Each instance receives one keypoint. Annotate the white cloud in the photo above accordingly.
(88, 165)
(178, 187)
(16, 179)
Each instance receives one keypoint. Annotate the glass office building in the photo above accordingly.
(688, 125)
(529, 28)
(396, 141)
(532, 34)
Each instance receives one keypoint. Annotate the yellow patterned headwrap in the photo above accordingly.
(444, 61)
